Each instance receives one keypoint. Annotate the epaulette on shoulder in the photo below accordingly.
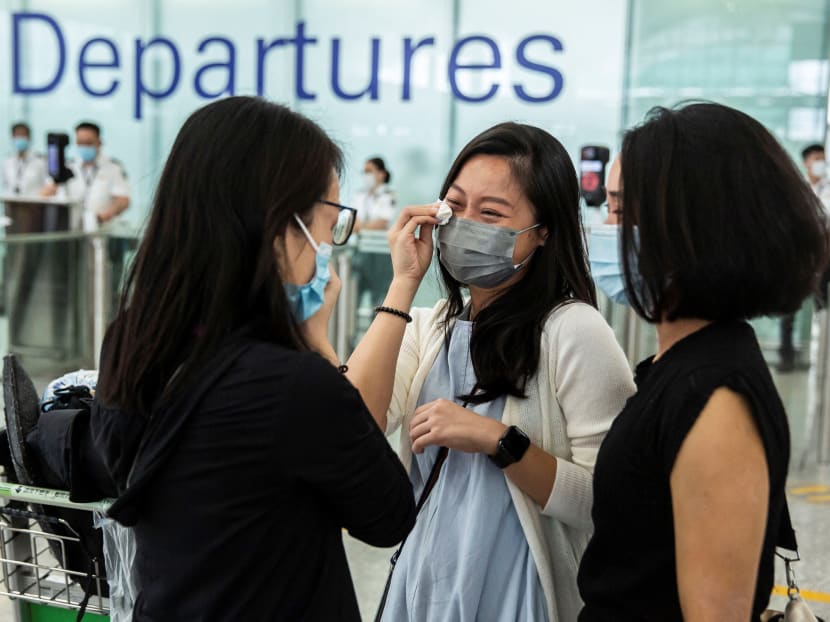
(120, 165)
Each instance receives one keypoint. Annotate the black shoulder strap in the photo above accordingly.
(428, 486)
(432, 479)
(786, 533)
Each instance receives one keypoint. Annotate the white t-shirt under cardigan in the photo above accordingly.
(582, 383)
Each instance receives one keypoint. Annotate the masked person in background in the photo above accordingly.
(516, 373)
(230, 444)
(375, 202)
(689, 483)
(99, 183)
(375, 205)
(24, 172)
(603, 242)
(815, 170)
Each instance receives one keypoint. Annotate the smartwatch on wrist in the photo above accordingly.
(511, 448)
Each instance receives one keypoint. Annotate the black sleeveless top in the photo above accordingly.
(628, 570)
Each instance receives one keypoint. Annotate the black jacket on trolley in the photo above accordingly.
(240, 490)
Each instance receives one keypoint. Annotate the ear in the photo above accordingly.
(543, 235)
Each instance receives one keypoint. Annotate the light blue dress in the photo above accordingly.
(467, 557)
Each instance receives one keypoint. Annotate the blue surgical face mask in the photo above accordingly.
(306, 300)
(87, 153)
(21, 143)
(604, 254)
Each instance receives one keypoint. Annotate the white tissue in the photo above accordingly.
(444, 213)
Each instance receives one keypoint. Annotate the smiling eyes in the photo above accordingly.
(487, 211)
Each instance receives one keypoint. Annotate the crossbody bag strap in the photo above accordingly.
(443, 452)
(786, 533)
(430, 484)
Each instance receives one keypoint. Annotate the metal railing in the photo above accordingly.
(350, 316)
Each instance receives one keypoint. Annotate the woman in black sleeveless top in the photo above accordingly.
(718, 227)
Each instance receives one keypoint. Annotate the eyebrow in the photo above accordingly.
(489, 199)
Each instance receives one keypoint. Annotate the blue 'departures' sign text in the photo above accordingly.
(100, 72)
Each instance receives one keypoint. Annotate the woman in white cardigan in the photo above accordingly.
(520, 382)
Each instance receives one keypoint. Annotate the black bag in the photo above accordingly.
(47, 450)
(22, 411)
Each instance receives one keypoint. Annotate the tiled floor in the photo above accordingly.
(809, 495)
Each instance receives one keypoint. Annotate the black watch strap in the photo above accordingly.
(511, 448)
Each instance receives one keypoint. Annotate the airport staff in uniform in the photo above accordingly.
(99, 182)
(375, 205)
(815, 169)
(24, 172)
(23, 175)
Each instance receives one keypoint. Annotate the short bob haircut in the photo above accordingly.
(727, 226)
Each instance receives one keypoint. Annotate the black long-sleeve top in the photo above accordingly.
(244, 520)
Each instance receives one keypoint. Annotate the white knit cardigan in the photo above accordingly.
(582, 383)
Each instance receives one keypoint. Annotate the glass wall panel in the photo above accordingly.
(768, 58)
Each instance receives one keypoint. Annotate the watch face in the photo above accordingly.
(515, 442)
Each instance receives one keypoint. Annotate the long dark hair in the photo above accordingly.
(506, 340)
(728, 227)
(239, 170)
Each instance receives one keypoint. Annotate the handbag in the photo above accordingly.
(796, 610)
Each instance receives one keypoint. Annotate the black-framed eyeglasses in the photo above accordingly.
(345, 223)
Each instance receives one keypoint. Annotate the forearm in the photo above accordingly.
(116, 206)
(119, 204)
(534, 474)
(373, 362)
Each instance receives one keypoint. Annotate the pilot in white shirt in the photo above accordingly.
(24, 173)
(99, 183)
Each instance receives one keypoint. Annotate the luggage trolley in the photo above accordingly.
(33, 561)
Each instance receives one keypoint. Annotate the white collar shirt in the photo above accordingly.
(24, 176)
(379, 204)
(95, 185)
(822, 190)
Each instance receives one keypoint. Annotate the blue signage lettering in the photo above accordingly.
(84, 64)
(17, 85)
(261, 52)
(141, 88)
(100, 70)
(408, 53)
(300, 40)
(454, 67)
(554, 73)
(372, 89)
(229, 66)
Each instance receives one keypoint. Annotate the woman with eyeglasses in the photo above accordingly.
(238, 453)
(515, 373)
